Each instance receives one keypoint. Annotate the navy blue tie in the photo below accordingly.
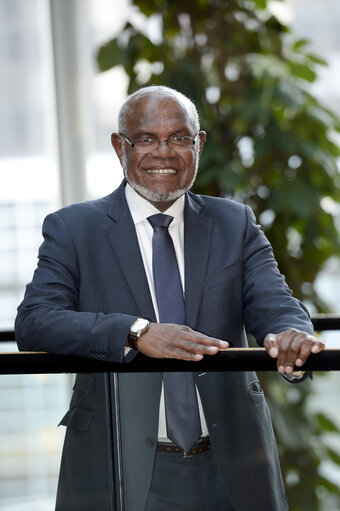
(181, 407)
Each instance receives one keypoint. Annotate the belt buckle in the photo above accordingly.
(186, 455)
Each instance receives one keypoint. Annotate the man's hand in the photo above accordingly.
(165, 340)
(291, 347)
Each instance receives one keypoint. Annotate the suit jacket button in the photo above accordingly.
(150, 442)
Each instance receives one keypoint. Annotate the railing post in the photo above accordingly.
(114, 441)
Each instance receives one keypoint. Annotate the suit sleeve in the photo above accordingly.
(48, 319)
(269, 306)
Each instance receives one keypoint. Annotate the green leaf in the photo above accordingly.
(302, 71)
(300, 43)
(260, 4)
(334, 456)
(326, 424)
(316, 59)
(329, 485)
(110, 55)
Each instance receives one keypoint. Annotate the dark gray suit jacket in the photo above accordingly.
(89, 287)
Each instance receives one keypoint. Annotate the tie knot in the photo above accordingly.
(160, 220)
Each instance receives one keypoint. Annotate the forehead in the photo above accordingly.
(155, 114)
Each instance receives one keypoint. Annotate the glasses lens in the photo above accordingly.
(181, 142)
(176, 142)
(145, 145)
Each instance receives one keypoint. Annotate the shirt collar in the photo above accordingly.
(141, 209)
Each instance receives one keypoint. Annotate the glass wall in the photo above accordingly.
(28, 167)
(319, 23)
(30, 443)
(30, 406)
(33, 153)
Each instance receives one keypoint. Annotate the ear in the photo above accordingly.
(202, 138)
(116, 141)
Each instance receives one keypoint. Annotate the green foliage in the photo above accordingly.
(270, 144)
(268, 139)
(302, 441)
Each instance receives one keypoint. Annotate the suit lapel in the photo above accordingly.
(124, 242)
(197, 238)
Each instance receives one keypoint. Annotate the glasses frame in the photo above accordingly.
(147, 149)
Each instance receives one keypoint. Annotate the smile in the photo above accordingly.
(161, 171)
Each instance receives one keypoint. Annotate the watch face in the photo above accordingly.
(139, 325)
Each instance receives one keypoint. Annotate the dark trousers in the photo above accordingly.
(187, 484)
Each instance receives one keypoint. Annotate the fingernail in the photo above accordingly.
(298, 362)
(213, 349)
(288, 369)
(281, 369)
(224, 344)
(273, 352)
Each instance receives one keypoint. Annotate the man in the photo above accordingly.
(99, 292)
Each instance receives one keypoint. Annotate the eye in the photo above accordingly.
(180, 139)
(145, 141)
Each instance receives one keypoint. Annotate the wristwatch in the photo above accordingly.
(137, 328)
(295, 376)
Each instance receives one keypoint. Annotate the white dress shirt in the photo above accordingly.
(140, 210)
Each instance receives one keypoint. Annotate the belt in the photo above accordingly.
(203, 445)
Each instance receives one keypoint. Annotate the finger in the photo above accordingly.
(189, 357)
(288, 348)
(190, 340)
(201, 339)
(183, 355)
(193, 347)
(296, 346)
(271, 345)
(310, 345)
(298, 351)
(318, 346)
(306, 348)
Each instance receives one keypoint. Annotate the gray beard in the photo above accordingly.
(155, 196)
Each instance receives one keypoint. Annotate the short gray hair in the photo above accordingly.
(164, 93)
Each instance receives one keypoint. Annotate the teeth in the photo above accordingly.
(161, 171)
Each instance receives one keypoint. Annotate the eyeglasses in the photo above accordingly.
(149, 144)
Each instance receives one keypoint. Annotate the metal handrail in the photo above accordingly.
(7, 335)
(234, 359)
(326, 322)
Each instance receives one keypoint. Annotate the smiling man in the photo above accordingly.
(153, 268)
(180, 144)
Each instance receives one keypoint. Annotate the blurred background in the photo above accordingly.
(264, 75)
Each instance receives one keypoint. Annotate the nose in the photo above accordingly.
(163, 147)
